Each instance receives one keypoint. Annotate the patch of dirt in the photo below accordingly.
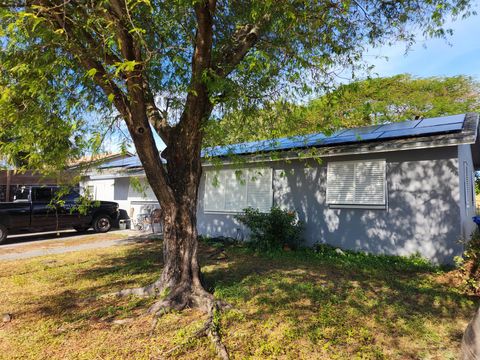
(63, 242)
(467, 277)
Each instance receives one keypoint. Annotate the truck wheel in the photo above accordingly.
(3, 233)
(102, 223)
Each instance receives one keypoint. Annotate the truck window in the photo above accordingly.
(42, 194)
(71, 196)
(21, 194)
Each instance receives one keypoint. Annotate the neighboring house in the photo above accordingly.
(400, 188)
(11, 179)
(113, 181)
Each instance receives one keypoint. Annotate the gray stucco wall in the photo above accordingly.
(423, 213)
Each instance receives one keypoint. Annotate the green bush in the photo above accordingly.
(469, 264)
(272, 230)
(472, 248)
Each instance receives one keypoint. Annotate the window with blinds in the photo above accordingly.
(356, 183)
(234, 190)
(469, 192)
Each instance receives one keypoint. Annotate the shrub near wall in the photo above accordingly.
(273, 230)
(469, 264)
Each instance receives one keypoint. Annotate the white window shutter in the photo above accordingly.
(370, 182)
(230, 192)
(214, 196)
(340, 182)
(235, 194)
(356, 182)
(259, 189)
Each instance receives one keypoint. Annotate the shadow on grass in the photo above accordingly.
(328, 298)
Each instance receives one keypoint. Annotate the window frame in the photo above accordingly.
(236, 211)
(357, 205)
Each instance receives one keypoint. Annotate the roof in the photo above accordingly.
(398, 130)
(414, 134)
(99, 158)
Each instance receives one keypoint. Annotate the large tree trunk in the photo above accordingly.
(180, 277)
(179, 283)
(471, 339)
(181, 272)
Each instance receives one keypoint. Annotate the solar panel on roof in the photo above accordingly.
(362, 130)
(387, 131)
(398, 126)
(445, 120)
(349, 139)
(338, 132)
(431, 130)
(121, 163)
(302, 141)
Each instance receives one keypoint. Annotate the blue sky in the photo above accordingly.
(459, 54)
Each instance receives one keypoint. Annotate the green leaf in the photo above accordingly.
(91, 73)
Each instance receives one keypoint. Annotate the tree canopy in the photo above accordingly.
(63, 60)
(360, 103)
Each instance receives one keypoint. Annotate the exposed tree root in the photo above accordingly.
(146, 291)
(213, 332)
(210, 329)
(184, 296)
(198, 298)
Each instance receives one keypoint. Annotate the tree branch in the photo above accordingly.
(197, 103)
(243, 39)
(137, 81)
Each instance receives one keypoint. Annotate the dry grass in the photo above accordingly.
(297, 305)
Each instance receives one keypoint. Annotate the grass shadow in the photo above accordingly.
(329, 300)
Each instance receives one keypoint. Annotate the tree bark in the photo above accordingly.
(471, 339)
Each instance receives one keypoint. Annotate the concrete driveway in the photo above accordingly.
(25, 246)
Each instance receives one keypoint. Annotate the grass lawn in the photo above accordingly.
(292, 305)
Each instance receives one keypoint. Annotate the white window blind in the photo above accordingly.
(234, 190)
(356, 182)
(468, 185)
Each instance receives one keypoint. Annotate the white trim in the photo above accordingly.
(141, 202)
(354, 206)
(222, 212)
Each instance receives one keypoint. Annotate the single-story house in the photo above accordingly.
(11, 178)
(397, 188)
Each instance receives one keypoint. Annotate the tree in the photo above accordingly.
(202, 55)
(360, 103)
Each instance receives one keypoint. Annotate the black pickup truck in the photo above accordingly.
(32, 211)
